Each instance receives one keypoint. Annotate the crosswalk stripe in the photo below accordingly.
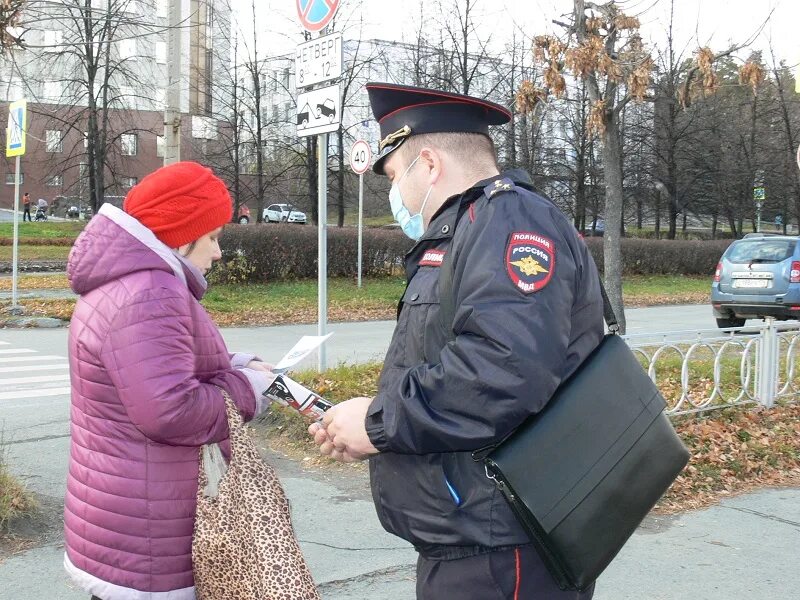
(26, 368)
(37, 379)
(17, 351)
(11, 359)
(59, 391)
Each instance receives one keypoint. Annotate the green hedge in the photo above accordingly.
(664, 257)
(285, 251)
(271, 252)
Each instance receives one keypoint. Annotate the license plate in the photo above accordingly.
(751, 283)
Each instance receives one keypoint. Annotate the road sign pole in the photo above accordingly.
(15, 242)
(360, 224)
(322, 244)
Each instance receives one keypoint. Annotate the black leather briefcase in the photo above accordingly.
(582, 474)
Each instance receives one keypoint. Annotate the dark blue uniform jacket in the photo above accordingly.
(528, 312)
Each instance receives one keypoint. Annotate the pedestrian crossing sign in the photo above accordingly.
(15, 133)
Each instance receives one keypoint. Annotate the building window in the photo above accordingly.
(162, 9)
(55, 140)
(160, 146)
(204, 128)
(85, 139)
(53, 40)
(52, 91)
(55, 181)
(288, 109)
(161, 53)
(129, 144)
(10, 178)
(128, 182)
(127, 48)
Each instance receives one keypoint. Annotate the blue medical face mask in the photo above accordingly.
(412, 225)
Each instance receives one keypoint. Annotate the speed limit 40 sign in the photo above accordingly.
(360, 157)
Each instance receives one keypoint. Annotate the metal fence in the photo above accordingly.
(710, 369)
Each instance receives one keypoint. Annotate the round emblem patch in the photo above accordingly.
(530, 261)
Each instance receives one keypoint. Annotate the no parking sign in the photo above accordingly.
(316, 14)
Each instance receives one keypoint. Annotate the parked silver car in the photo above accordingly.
(757, 276)
(283, 213)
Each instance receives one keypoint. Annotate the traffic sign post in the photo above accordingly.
(759, 195)
(15, 146)
(319, 113)
(360, 159)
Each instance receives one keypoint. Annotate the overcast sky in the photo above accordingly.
(708, 22)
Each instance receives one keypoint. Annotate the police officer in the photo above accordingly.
(528, 311)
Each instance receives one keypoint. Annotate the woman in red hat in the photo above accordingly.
(146, 367)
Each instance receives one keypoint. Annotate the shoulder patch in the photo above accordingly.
(432, 258)
(530, 261)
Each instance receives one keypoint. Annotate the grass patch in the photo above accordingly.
(351, 219)
(296, 301)
(652, 290)
(36, 282)
(33, 253)
(284, 302)
(43, 230)
(15, 499)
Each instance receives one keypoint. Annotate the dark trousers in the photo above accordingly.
(27, 212)
(514, 574)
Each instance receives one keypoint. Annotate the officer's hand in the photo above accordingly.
(345, 433)
(327, 448)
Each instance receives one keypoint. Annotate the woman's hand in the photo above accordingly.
(257, 365)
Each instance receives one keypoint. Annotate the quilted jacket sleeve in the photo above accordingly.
(150, 357)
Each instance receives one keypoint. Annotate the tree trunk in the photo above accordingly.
(612, 248)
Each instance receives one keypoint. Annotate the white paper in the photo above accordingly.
(305, 346)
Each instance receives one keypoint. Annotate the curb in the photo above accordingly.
(32, 323)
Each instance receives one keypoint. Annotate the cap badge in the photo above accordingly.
(405, 131)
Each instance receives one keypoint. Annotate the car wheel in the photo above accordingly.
(243, 220)
(731, 322)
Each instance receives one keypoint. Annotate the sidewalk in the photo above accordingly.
(742, 549)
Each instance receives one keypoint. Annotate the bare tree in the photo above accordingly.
(96, 79)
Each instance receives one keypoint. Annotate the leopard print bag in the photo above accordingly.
(244, 546)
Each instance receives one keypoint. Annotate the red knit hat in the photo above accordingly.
(180, 203)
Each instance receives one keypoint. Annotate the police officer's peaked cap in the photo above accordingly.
(403, 111)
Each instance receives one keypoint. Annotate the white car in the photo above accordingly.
(283, 213)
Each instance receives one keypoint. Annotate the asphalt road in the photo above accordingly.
(732, 551)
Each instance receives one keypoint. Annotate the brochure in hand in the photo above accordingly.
(287, 392)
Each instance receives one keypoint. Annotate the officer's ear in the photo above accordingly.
(431, 160)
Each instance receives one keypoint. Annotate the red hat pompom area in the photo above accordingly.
(180, 203)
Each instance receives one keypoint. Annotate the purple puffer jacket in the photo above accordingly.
(145, 363)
